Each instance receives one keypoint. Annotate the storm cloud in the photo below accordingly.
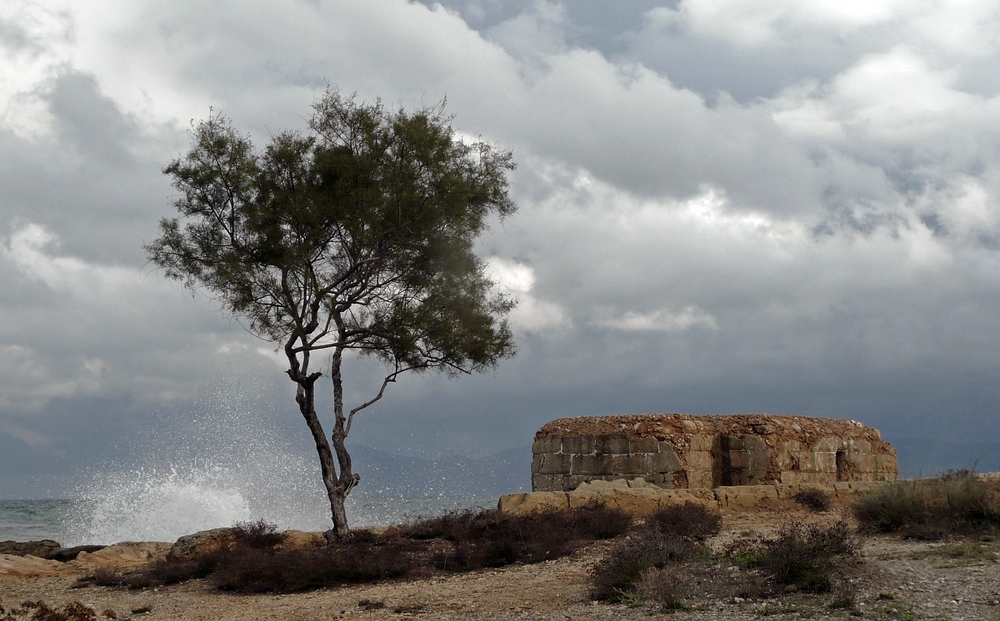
(723, 207)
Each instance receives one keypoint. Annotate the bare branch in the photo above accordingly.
(385, 382)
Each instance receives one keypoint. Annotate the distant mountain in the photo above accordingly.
(384, 473)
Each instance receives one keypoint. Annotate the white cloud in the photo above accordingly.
(517, 280)
(28, 249)
(661, 321)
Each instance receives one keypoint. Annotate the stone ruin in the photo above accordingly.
(682, 451)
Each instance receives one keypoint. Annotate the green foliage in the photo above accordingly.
(364, 227)
(357, 235)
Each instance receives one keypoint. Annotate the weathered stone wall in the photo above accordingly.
(681, 451)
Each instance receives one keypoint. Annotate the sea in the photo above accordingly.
(74, 522)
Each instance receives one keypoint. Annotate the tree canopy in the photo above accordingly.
(356, 235)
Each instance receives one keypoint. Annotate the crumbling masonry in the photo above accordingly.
(681, 451)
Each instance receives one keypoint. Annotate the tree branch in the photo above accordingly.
(385, 382)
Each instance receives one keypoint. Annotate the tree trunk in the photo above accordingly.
(346, 479)
(306, 398)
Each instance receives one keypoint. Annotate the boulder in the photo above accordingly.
(64, 555)
(122, 555)
(35, 548)
(201, 542)
(28, 566)
(534, 502)
(636, 497)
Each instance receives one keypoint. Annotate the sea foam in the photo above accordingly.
(220, 463)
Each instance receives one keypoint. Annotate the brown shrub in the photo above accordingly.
(687, 520)
(259, 534)
(616, 576)
(803, 556)
(813, 499)
(459, 541)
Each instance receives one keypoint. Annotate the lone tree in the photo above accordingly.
(356, 235)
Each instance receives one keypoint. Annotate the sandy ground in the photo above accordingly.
(898, 580)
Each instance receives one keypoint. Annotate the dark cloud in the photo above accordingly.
(789, 208)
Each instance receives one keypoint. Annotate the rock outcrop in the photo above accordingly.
(639, 498)
(682, 451)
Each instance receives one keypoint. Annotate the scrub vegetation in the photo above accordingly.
(957, 504)
(665, 561)
(255, 561)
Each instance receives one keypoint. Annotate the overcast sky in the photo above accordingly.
(724, 206)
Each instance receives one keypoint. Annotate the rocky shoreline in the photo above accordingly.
(897, 580)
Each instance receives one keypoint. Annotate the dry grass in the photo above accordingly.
(958, 504)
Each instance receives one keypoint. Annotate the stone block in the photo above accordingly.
(573, 481)
(791, 446)
(646, 444)
(536, 463)
(705, 494)
(636, 463)
(864, 463)
(664, 461)
(807, 461)
(754, 443)
(548, 444)
(786, 461)
(616, 444)
(578, 445)
(738, 498)
(699, 460)
(885, 463)
(732, 443)
(825, 462)
(739, 460)
(554, 463)
(699, 443)
(637, 502)
(592, 464)
(535, 502)
(757, 460)
(812, 478)
(699, 479)
(788, 491)
(828, 444)
(547, 482)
